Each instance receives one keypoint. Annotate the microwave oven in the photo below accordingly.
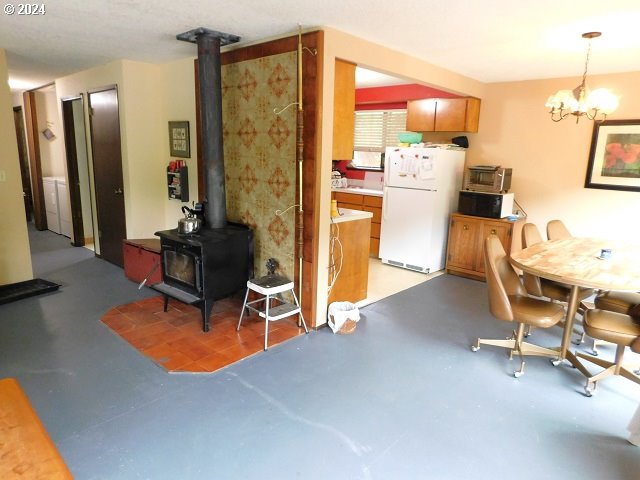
(487, 178)
(483, 204)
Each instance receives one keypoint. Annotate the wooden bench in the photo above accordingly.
(26, 450)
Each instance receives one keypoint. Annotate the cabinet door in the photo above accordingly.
(421, 115)
(451, 114)
(463, 239)
(344, 105)
(502, 230)
(457, 115)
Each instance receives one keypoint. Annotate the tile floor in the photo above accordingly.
(175, 340)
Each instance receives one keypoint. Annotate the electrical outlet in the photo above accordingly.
(3, 176)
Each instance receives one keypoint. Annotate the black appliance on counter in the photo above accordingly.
(483, 204)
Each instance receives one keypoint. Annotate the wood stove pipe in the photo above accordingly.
(210, 77)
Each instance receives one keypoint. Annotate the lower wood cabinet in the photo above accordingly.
(365, 203)
(465, 248)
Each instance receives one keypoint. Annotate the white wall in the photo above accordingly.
(15, 257)
(52, 154)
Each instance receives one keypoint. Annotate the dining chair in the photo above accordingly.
(614, 327)
(556, 230)
(509, 302)
(542, 287)
(620, 302)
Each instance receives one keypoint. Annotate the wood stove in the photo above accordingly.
(217, 261)
(200, 268)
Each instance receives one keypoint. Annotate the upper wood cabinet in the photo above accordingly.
(443, 115)
(344, 105)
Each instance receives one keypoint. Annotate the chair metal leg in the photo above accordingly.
(306, 330)
(266, 321)
(244, 307)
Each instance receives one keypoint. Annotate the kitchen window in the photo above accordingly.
(374, 131)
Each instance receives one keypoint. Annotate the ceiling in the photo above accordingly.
(489, 40)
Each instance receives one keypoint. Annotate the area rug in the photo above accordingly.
(175, 340)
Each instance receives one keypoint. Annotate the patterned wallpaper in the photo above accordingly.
(260, 154)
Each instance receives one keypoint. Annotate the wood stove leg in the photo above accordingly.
(166, 302)
(206, 307)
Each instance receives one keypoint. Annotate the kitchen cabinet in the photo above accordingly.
(350, 261)
(465, 248)
(344, 105)
(443, 115)
(366, 203)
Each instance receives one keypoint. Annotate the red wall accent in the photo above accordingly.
(398, 93)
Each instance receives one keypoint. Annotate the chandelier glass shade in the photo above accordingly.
(581, 102)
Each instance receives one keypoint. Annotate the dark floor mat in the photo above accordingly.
(29, 288)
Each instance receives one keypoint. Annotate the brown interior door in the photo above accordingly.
(107, 167)
(24, 161)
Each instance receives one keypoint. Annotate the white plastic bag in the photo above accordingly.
(339, 313)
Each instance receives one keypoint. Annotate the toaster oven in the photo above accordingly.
(487, 178)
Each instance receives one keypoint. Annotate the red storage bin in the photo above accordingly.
(140, 258)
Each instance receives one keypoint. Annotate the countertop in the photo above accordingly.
(359, 190)
(347, 215)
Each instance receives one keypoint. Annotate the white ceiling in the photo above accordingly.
(488, 40)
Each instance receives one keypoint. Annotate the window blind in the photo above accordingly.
(377, 129)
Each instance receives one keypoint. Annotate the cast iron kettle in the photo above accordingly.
(190, 223)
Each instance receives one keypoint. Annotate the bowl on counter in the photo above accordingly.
(410, 137)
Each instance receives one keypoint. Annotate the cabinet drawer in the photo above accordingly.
(349, 197)
(372, 201)
(375, 230)
(351, 206)
(377, 213)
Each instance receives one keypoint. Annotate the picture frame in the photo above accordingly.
(179, 143)
(614, 157)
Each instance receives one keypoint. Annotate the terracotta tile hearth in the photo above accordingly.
(175, 340)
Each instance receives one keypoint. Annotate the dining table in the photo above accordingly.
(578, 262)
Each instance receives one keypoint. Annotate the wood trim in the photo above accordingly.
(33, 142)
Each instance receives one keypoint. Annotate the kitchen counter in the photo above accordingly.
(349, 258)
(347, 215)
(362, 191)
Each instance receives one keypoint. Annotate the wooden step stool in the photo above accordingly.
(271, 286)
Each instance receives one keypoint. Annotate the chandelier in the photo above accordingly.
(581, 102)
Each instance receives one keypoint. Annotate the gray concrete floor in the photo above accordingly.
(403, 397)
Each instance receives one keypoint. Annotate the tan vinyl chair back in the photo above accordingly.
(556, 230)
(530, 237)
(502, 279)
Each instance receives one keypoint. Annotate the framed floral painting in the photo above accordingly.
(614, 159)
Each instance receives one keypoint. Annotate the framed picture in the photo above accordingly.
(179, 139)
(614, 159)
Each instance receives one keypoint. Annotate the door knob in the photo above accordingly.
(118, 191)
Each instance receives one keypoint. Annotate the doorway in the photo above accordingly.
(25, 175)
(104, 125)
(78, 171)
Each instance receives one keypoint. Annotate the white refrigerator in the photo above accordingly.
(421, 188)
